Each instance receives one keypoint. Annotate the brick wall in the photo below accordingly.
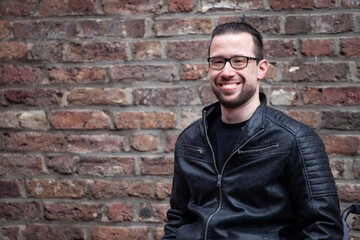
(95, 92)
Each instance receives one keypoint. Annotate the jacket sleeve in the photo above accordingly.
(178, 214)
(313, 188)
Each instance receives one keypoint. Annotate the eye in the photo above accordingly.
(217, 60)
(238, 60)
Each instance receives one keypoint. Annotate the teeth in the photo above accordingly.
(232, 85)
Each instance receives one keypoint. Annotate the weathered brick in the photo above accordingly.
(95, 52)
(186, 50)
(163, 96)
(72, 211)
(206, 94)
(43, 231)
(316, 47)
(147, 50)
(144, 120)
(82, 7)
(20, 164)
(272, 72)
(330, 23)
(310, 72)
(349, 192)
(76, 75)
(356, 169)
(340, 120)
(34, 141)
(157, 165)
(55, 188)
(25, 74)
(309, 118)
(134, 28)
(53, 8)
(280, 48)
(4, 29)
(106, 166)
(163, 189)
(13, 51)
(170, 140)
(181, 5)
(95, 143)
(96, 96)
(193, 71)
(101, 189)
(50, 52)
(79, 119)
(350, 47)
(18, 211)
(350, 3)
(131, 7)
(342, 96)
(341, 169)
(131, 73)
(34, 97)
(159, 233)
(153, 213)
(182, 26)
(64, 164)
(342, 145)
(9, 232)
(23, 119)
(212, 5)
(119, 233)
(9, 188)
(120, 212)
(284, 96)
(302, 4)
(17, 7)
(144, 142)
(45, 30)
(190, 115)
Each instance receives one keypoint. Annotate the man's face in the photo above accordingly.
(235, 88)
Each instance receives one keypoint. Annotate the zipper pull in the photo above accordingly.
(219, 180)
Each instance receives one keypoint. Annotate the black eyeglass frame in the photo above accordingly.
(229, 60)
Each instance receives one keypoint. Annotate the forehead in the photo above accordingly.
(230, 44)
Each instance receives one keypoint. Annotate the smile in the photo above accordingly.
(229, 85)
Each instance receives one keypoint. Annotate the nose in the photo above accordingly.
(228, 70)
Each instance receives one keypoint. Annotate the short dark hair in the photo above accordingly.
(241, 27)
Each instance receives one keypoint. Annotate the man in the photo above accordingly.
(245, 170)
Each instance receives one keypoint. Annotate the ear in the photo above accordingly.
(263, 66)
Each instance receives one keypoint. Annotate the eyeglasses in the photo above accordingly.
(237, 62)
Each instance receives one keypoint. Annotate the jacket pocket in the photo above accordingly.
(193, 152)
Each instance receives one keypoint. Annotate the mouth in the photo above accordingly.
(228, 86)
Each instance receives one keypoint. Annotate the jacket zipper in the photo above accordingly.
(220, 176)
(257, 149)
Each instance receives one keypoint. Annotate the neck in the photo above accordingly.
(239, 114)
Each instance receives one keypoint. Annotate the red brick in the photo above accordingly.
(342, 145)
(302, 4)
(356, 169)
(76, 75)
(64, 164)
(119, 233)
(9, 188)
(23, 120)
(121, 189)
(95, 52)
(206, 94)
(193, 72)
(120, 212)
(131, 7)
(72, 211)
(53, 8)
(17, 7)
(34, 97)
(280, 48)
(96, 96)
(13, 51)
(131, 73)
(182, 26)
(82, 7)
(349, 192)
(157, 166)
(55, 188)
(187, 50)
(20, 164)
(284, 96)
(144, 142)
(79, 119)
(163, 96)
(159, 233)
(153, 213)
(316, 47)
(51, 52)
(163, 189)
(144, 120)
(310, 72)
(229, 5)
(147, 50)
(34, 141)
(272, 72)
(350, 4)
(18, 211)
(181, 5)
(342, 120)
(133, 28)
(9, 232)
(4, 29)
(170, 138)
(338, 168)
(95, 143)
(106, 166)
(341, 96)
(43, 231)
(350, 47)
(309, 118)
(22, 74)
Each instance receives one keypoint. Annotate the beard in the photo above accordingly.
(246, 94)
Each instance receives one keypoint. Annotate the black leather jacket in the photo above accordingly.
(276, 184)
